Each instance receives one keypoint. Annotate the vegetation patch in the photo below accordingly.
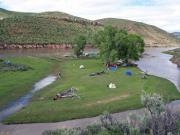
(42, 30)
(6, 65)
(152, 35)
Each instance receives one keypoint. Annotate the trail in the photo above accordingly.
(39, 128)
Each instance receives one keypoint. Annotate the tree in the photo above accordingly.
(118, 44)
(80, 43)
(104, 40)
(134, 47)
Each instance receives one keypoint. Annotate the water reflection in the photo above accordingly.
(34, 52)
(39, 52)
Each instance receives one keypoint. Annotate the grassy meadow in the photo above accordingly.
(95, 96)
(15, 84)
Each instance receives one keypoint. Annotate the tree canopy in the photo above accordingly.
(80, 43)
(118, 44)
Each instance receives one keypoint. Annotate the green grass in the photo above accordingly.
(96, 97)
(15, 84)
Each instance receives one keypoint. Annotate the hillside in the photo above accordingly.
(6, 13)
(59, 28)
(41, 30)
(152, 35)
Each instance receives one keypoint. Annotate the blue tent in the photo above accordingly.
(128, 73)
(113, 68)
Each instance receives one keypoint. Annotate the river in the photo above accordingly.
(157, 63)
(39, 52)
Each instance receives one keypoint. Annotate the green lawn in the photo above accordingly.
(95, 96)
(15, 84)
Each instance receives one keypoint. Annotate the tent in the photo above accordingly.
(81, 66)
(112, 86)
(113, 67)
(128, 73)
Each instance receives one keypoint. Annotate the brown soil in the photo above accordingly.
(105, 101)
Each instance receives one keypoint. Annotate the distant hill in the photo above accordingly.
(43, 28)
(177, 34)
(152, 35)
(60, 28)
(6, 13)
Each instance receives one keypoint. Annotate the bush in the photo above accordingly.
(9, 66)
(1, 60)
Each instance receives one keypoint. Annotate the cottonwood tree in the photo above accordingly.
(118, 44)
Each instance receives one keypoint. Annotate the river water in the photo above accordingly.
(24, 100)
(157, 63)
(39, 52)
(34, 52)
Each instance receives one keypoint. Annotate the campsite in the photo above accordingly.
(94, 97)
(89, 67)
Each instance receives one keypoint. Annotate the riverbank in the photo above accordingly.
(30, 46)
(94, 95)
(64, 46)
(34, 46)
(176, 56)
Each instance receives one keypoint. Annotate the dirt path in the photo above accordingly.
(38, 128)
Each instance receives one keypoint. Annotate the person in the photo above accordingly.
(59, 74)
(55, 98)
(58, 95)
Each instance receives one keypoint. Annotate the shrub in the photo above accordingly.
(9, 66)
(157, 120)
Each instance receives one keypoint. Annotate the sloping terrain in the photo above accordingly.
(152, 35)
(42, 30)
(59, 28)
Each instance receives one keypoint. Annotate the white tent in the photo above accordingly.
(81, 66)
(112, 86)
